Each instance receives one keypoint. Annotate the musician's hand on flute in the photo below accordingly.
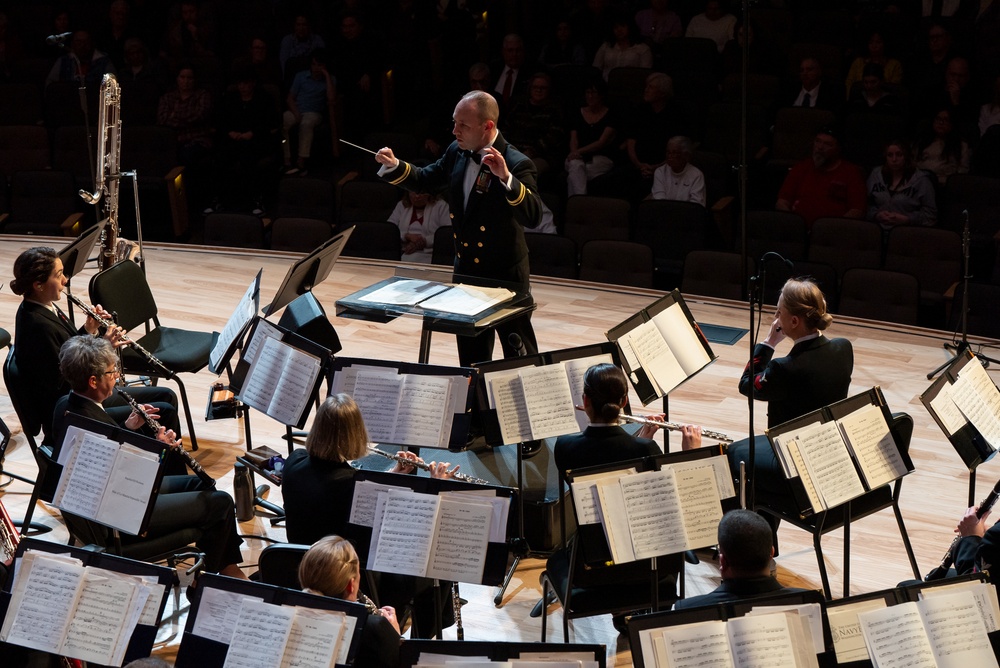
(400, 467)
(389, 613)
(690, 437)
(440, 470)
(385, 157)
(970, 525)
(649, 430)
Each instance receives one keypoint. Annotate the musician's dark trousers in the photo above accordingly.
(472, 349)
(771, 488)
(166, 402)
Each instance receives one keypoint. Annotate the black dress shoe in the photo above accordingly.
(530, 448)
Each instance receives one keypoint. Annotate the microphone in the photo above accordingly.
(58, 39)
(771, 255)
(515, 342)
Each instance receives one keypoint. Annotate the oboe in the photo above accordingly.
(425, 467)
(104, 322)
(155, 426)
(949, 557)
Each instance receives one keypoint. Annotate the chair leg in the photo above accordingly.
(187, 412)
(545, 608)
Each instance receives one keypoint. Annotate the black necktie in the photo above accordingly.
(807, 100)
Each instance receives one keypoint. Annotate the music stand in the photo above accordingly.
(308, 272)
(75, 256)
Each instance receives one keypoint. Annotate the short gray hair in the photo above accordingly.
(84, 356)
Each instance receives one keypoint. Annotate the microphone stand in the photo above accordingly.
(961, 346)
(754, 288)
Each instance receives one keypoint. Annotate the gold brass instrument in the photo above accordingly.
(425, 467)
(192, 463)
(675, 426)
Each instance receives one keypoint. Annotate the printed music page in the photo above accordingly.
(984, 594)
(151, 608)
(944, 406)
(956, 631)
(280, 381)
(423, 401)
(365, 499)
(460, 540)
(701, 509)
(464, 299)
(376, 392)
(499, 505)
(765, 641)
(550, 405)
(692, 646)
(43, 598)
(978, 398)
(130, 486)
(313, 638)
(867, 434)
(655, 357)
(829, 464)
(614, 520)
(507, 398)
(652, 505)
(99, 621)
(683, 341)
(406, 532)
(260, 635)
(217, 614)
(406, 292)
(246, 309)
(896, 638)
(585, 500)
(848, 640)
(344, 647)
(719, 466)
(811, 615)
(575, 372)
(263, 331)
(795, 456)
(87, 466)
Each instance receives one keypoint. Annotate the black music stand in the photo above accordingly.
(310, 271)
(75, 256)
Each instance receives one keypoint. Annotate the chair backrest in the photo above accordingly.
(846, 243)
(365, 201)
(823, 275)
(877, 294)
(20, 399)
(70, 154)
(673, 229)
(714, 274)
(617, 263)
(151, 150)
(305, 198)
(592, 217)
(782, 232)
(279, 564)
(299, 234)
(444, 246)
(933, 255)
(234, 230)
(122, 289)
(794, 130)
(552, 255)
(377, 240)
(866, 134)
(625, 85)
(23, 148)
(724, 120)
(40, 201)
(20, 104)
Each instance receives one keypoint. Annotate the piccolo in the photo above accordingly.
(155, 426)
(425, 467)
(675, 426)
(104, 322)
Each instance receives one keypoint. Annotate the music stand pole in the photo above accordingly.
(519, 544)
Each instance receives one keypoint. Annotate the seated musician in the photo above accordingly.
(979, 547)
(317, 487)
(331, 568)
(89, 364)
(745, 553)
(815, 372)
(42, 328)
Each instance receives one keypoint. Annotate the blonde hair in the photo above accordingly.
(338, 433)
(328, 566)
(803, 298)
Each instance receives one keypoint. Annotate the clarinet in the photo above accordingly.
(155, 426)
(949, 557)
(456, 606)
(426, 467)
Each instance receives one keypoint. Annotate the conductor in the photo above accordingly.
(490, 187)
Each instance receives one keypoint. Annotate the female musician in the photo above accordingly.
(40, 330)
(317, 487)
(331, 568)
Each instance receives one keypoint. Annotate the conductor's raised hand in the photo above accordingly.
(493, 159)
(385, 157)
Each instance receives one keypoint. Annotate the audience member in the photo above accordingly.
(297, 46)
(715, 23)
(418, 216)
(811, 91)
(536, 126)
(823, 185)
(265, 69)
(654, 122)
(111, 38)
(191, 35)
(892, 69)
(622, 48)
(562, 48)
(943, 150)
(591, 137)
(898, 192)
(658, 22)
(590, 23)
(248, 143)
(989, 113)
(872, 97)
(511, 83)
(762, 58)
(311, 98)
(188, 110)
(83, 63)
(677, 179)
(746, 551)
(357, 69)
(143, 82)
(925, 73)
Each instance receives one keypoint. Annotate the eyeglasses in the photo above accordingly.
(113, 372)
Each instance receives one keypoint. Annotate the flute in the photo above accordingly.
(425, 467)
(675, 426)
(155, 426)
(104, 322)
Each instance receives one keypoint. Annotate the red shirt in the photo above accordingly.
(821, 193)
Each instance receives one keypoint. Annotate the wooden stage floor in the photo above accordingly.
(197, 288)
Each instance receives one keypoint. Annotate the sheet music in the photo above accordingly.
(263, 331)
(764, 641)
(585, 493)
(956, 631)
(423, 402)
(655, 357)
(719, 466)
(406, 292)
(701, 509)
(85, 473)
(655, 522)
(43, 598)
(780, 443)
(550, 405)
(151, 608)
(217, 613)
(365, 498)
(867, 434)
(678, 332)
(260, 635)
(281, 381)
(507, 397)
(376, 392)
(829, 464)
(500, 508)
(896, 638)
(614, 520)
(405, 534)
(94, 632)
(795, 456)
(461, 537)
(129, 488)
(984, 594)
(313, 638)
(245, 310)
(947, 411)
(810, 613)
(984, 413)
(845, 628)
(575, 372)
(692, 646)
(468, 300)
